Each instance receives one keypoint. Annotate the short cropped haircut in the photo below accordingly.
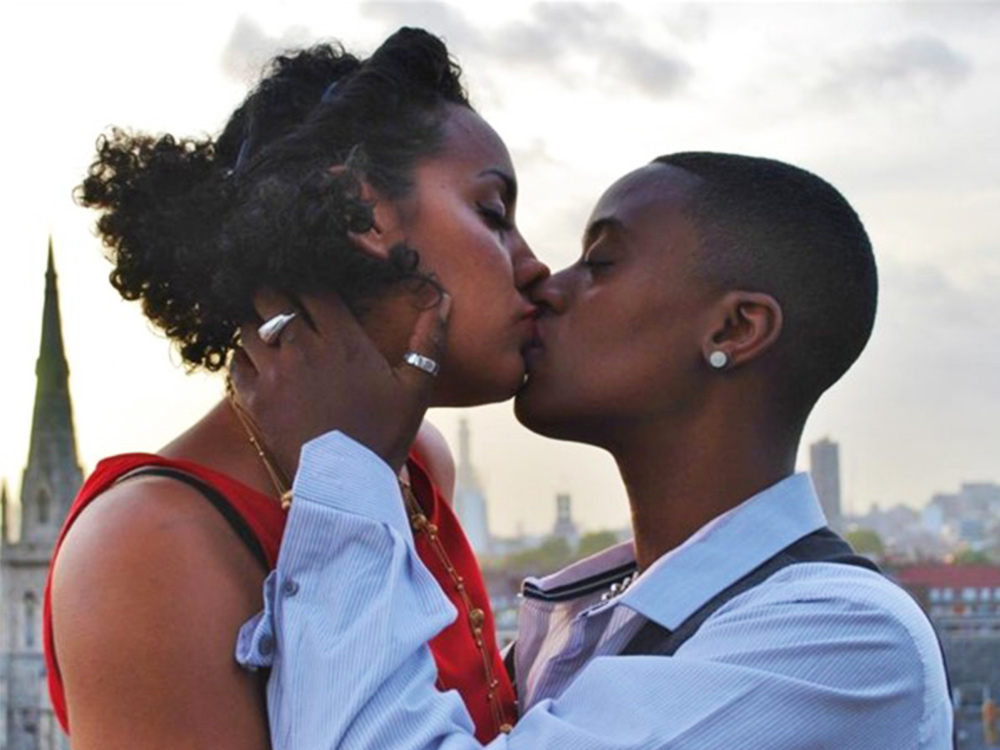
(770, 227)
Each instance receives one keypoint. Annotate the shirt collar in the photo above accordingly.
(716, 556)
(725, 550)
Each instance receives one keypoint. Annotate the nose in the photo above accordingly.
(551, 294)
(529, 271)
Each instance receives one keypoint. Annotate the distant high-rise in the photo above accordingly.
(470, 502)
(565, 527)
(50, 481)
(824, 465)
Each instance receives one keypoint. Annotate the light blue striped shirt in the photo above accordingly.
(820, 656)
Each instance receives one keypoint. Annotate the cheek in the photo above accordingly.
(619, 353)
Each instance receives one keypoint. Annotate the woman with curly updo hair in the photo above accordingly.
(370, 181)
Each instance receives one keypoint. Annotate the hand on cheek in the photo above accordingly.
(323, 373)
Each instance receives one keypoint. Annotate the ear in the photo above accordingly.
(748, 325)
(385, 231)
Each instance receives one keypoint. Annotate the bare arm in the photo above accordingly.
(434, 450)
(150, 589)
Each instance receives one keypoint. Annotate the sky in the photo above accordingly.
(896, 104)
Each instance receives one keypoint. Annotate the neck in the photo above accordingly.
(219, 442)
(679, 480)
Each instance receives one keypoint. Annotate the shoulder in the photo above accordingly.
(145, 516)
(151, 574)
(433, 450)
(148, 544)
(838, 603)
(840, 626)
(835, 588)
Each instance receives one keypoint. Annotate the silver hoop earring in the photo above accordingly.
(718, 359)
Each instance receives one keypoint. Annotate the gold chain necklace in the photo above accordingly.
(475, 616)
(277, 476)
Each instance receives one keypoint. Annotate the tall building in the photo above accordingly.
(824, 465)
(470, 501)
(565, 527)
(50, 481)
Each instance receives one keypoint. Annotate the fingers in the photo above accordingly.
(281, 321)
(242, 371)
(278, 312)
(428, 342)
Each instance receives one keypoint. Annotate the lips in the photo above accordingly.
(534, 348)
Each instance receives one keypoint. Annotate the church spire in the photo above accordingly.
(466, 475)
(53, 470)
(3, 513)
(51, 368)
(470, 502)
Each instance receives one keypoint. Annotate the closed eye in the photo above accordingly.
(596, 260)
(598, 268)
(496, 218)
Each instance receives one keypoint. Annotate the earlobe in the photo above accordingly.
(379, 238)
(750, 324)
(371, 242)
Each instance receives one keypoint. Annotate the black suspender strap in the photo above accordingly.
(820, 546)
(508, 664)
(217, 500)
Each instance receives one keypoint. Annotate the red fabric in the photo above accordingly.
(459, 663)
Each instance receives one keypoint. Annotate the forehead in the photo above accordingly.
(646, 210)
(470, 139)
(653, 194)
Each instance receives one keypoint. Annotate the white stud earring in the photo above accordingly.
(718, 359)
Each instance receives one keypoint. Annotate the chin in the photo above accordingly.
(559, 417)
(541, 415)
(472, 389)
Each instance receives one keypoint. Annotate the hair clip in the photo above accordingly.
(330, 92)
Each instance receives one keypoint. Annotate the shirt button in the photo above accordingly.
(266, 645)
(290, 588)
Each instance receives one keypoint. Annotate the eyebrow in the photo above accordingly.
(509, 183)
(600, 226)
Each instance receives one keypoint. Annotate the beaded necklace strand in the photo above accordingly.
(475, 616)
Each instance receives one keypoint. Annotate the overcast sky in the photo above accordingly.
(897, 104)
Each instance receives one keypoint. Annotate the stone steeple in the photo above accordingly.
(470, 501)
(466, 473)
(53, 473)
(3, 513)
(50, 481)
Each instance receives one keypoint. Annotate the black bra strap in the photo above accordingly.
(218, 501)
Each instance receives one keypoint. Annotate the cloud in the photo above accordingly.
(649, 70)
(444, 20)
(909, 67)
(249, 48)
(972, 15)
(576, 44)
(930, 329)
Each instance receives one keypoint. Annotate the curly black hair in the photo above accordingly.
(195, 226)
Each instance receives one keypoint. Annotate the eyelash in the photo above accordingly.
(495, 219)
(596, 266)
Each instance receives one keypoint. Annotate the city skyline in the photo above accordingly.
(892, 103)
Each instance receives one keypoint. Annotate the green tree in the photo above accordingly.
(866, 542)
(595, 541)
(548, 557)
(967, 556)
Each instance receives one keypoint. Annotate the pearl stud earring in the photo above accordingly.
(718, 359)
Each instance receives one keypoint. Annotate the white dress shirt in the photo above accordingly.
(820, 656)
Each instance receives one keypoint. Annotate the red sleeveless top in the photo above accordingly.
(459, 660)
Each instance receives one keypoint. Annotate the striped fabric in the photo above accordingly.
(818, 657)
